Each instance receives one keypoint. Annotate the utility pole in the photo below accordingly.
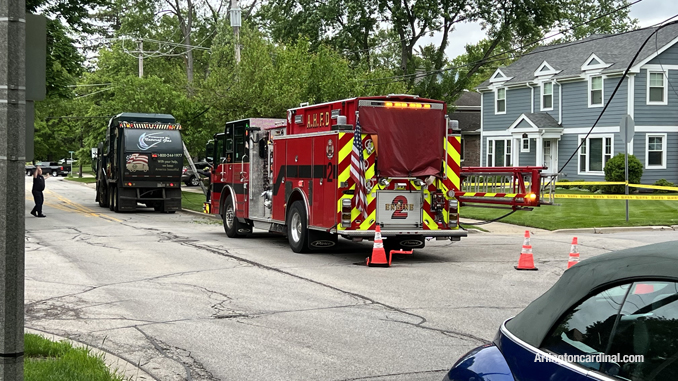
(141, 58)
(235, 24)
(12, 199)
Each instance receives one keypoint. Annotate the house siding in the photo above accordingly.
(576, 112)
(568, 144)
(650, 176)
(668, 57)
(655, 115)
(528, 158)
(517, 103)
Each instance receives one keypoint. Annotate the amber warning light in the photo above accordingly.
(407, 105)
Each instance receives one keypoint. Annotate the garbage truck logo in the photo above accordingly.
(148, 141)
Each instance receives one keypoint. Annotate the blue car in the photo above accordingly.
(612, 317)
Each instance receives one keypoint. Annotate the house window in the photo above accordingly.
(499, 152)
(463, 149)
(655, 154)
(547, 96)
(656, 88)
(500, 107)
(525, 145)
(596, 91)
(594, 153)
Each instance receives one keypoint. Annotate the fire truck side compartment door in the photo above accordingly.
(399, 209)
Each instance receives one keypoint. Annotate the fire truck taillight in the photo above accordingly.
(407, 105)
(454, 213)
(346, 212)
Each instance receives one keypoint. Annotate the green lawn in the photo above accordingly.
(582, 213)
(82, 179)
(192, 201)
(46, 360)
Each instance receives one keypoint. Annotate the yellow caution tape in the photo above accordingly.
(653, 187)
(617, 197)
(559, 183)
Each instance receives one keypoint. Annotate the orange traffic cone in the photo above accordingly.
(574, 254)
(378, 256)
(526, 262)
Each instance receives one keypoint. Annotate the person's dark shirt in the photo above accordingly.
(38, 183)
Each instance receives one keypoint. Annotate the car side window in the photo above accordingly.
(586, 329)
(647, 334)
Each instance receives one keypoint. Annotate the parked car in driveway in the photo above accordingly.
(51, 168)
(189, 178)
(611, 317)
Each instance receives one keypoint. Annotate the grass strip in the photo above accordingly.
(584, 213)
(192, 201)
(47, 360)
(82, 179)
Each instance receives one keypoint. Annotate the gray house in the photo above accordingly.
(467, 112)
(537, 110)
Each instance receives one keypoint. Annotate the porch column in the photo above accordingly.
(540, 151)
(515, 152)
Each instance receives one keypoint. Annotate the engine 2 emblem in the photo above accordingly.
(400, 207)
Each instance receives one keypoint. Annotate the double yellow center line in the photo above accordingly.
(67, 205)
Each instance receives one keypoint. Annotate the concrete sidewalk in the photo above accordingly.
(504, 228)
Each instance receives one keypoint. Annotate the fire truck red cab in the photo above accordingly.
(305, 176)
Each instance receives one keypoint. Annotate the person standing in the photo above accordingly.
(38, 187)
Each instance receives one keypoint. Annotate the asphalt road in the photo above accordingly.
(172, 293)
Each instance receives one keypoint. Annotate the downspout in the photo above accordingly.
(531, 97)
(560, 102)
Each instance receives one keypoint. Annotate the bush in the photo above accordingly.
(614, 171)
(663, 183)
(564, 186)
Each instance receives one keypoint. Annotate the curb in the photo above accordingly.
(188, 211)
(116, 364)
(618, 229)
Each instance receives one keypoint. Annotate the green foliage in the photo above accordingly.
(564, 186)
(576, 16)
(663, 183)
(46, 360)
(614, 171)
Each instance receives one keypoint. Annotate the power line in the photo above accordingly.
(520, 48)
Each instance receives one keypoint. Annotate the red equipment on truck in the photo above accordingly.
(342, 168)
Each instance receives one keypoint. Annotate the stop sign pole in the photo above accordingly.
(626, 129)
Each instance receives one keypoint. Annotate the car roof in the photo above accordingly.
(656, 261)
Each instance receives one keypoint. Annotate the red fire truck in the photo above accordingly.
(342, 168)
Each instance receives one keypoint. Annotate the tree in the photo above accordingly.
(615, 18)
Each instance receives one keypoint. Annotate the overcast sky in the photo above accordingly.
(648, 12)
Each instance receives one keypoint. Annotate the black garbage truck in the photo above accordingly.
(140, 162)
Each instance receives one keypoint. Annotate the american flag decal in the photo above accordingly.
(136, 158)
(358, 171)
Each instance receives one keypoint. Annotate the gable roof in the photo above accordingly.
(615, 50)
(536, 120)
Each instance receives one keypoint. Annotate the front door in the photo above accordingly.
(551, 155)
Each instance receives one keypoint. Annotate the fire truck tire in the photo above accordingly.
(297, 228)
(231, 224)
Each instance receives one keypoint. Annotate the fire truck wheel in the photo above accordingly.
(231, 224)
(297, 228)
